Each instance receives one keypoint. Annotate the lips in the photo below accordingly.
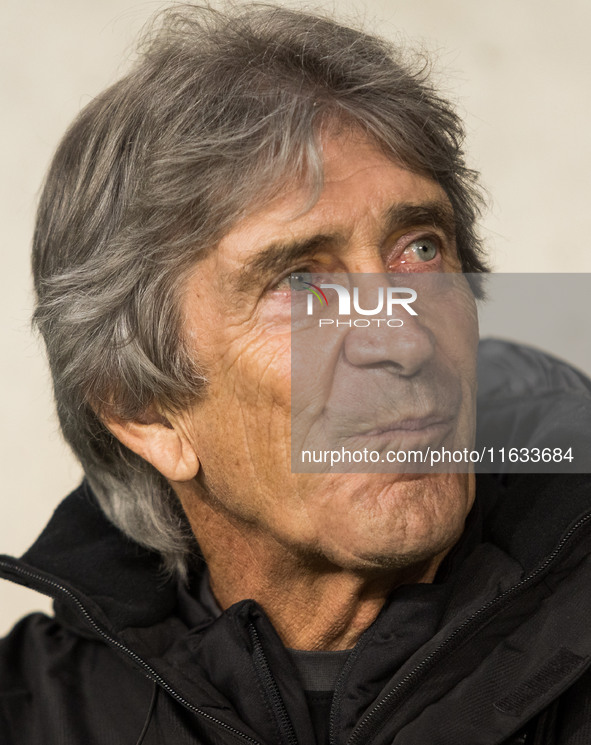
(411, 424)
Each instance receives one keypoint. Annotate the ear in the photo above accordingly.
(159, 441)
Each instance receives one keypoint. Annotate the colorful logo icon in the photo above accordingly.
(317, 292)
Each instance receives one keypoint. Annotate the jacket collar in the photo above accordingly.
(81, 548)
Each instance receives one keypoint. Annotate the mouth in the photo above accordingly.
(434, 423)
(413, 433)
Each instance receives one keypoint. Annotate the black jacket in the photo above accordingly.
(496, 651)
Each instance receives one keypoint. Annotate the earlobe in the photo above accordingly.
(156, 440)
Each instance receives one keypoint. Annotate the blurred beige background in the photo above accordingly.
(519, 70)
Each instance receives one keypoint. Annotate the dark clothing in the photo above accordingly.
(126, 652)
(495, 652)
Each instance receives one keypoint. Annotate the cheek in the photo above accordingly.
(454, 323)
(261, 373)
(247, 407)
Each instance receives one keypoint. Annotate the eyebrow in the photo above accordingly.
(438, 214)
(277, 256)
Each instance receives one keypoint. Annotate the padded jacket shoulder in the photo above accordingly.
(57, 686)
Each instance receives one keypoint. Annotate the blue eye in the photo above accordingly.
(299, 281)
(424, 249)
(292, 281)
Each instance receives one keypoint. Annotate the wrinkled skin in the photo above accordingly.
(330, 544)
(241, 431)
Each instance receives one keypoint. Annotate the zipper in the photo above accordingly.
(147, 669)
(367, 727)
(357, 650)
(264, 672)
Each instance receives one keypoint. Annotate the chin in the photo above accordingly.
(408, 523)
(367, 557)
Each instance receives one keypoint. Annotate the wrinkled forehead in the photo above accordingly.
(349, 177)
(311, 164)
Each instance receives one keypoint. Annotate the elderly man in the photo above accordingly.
(204, 591)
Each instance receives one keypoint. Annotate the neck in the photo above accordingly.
(314, 610)
(312, 604)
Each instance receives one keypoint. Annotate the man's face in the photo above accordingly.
(372, 216)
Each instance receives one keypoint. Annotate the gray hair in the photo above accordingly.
(219, 110)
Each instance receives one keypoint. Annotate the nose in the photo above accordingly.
(399, 341)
